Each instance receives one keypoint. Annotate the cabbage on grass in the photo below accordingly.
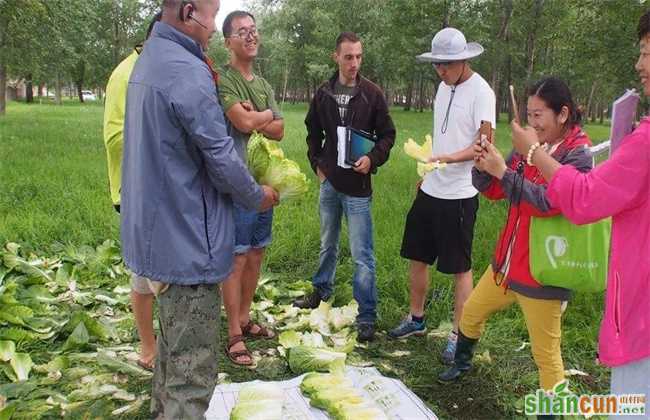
(258, 401)
(309, 359)
(22, 365)
(291, 338)
(343, 316)
(343, 341)
(7, 350)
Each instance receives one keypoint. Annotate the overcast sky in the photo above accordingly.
(227, 6)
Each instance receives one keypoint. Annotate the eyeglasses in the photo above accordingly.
(245, 33)
(442, 63)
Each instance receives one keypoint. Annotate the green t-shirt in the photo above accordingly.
(233, 89)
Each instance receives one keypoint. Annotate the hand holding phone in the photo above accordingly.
(485, 134)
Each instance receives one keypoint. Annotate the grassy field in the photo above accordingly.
(53, 189)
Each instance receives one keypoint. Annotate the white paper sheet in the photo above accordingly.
(391, 395)
(340, 148)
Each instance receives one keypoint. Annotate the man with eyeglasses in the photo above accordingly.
(440, 224)
(347, 100)
(181, 174)
(249, 103)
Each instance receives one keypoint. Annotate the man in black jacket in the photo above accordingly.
(347, 100)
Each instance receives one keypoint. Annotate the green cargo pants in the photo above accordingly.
(186, 365)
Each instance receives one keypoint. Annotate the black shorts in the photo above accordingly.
(441, 230)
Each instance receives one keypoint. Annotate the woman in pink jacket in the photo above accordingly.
(620, 188)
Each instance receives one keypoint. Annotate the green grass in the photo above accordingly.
(54, 189)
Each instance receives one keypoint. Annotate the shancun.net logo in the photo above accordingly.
(556, 247)
(564, 402)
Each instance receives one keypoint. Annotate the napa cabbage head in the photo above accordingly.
(284, 176)
(259, 155)
(258, 400)
(309, 359)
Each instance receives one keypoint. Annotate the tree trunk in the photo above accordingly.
(601, 113)
(58, 88)
(388, 95)
(497, 91)
(116, 34)
(531, 52)
(40, 90)
(591, 98)
(3, 88)
(445, 16)
(509, 78)
(29, 89)
(81, 74)
(286, 80)
(504, 36)
(421, 94)
(409, 93)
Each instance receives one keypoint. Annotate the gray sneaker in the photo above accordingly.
(407, 328)
(450, 350)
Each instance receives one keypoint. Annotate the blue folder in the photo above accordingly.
(358, 143)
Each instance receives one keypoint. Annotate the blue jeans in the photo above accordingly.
(334, 205)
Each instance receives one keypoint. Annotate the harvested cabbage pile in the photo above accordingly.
(336, 394)
(324, 327)
(422, 153)
(258, 401)
(268, 166)
(67, 347)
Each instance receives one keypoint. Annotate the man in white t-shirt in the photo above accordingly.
(440, 224)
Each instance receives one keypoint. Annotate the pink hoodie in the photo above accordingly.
(619, 187)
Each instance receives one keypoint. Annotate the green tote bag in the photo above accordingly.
(566, 255)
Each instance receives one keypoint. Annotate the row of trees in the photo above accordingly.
(590, 43)
(57, 42)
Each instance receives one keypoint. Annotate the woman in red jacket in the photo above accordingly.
(553, 114)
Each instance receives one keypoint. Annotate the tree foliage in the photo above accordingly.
(589, 43)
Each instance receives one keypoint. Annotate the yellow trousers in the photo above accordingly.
(543, 320)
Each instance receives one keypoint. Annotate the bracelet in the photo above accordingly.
(531, 152)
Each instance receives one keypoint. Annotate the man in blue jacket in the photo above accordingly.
(181, 174)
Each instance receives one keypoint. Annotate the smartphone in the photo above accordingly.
(513, 103)
(485, 133)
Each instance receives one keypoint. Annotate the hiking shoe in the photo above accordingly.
(407, 328)
(450, 350)
(366, 332)
(310, 301)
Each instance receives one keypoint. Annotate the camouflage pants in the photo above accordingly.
(186, 365)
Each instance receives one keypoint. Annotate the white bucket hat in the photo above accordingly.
(449, 44)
